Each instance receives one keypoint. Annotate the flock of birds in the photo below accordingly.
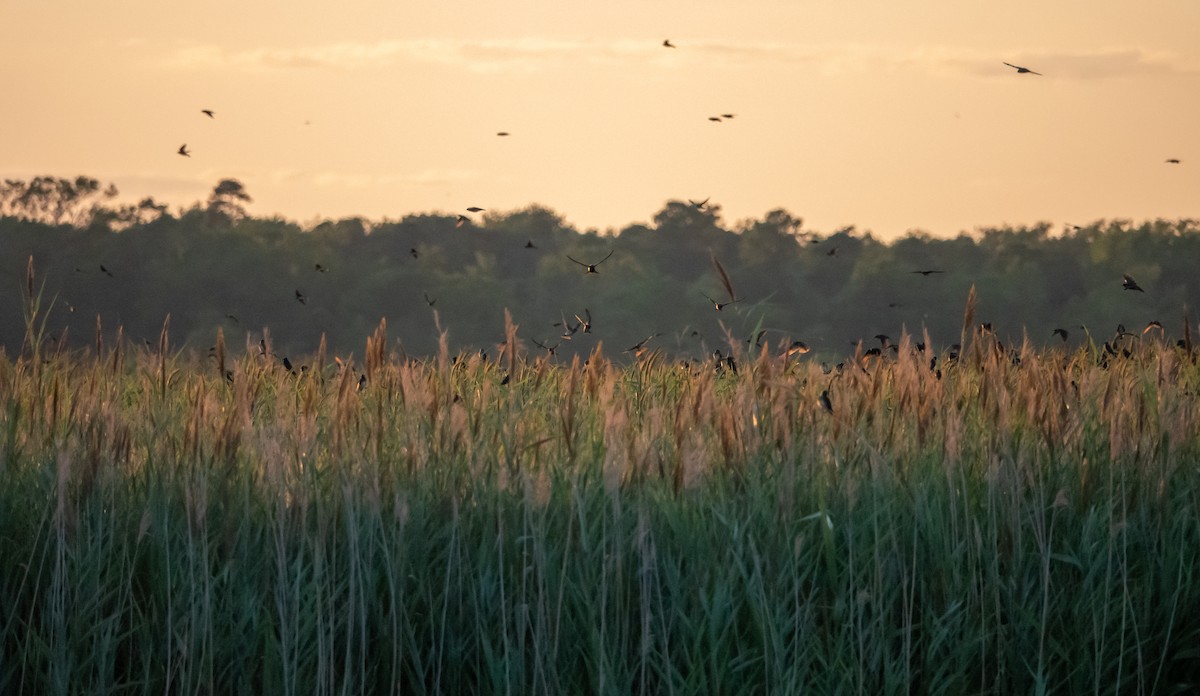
(788, 348)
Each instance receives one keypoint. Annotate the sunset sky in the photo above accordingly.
(886, 115)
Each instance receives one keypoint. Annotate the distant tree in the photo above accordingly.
(53, 200)
(225, 203)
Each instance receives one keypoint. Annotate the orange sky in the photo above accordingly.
(889, 116)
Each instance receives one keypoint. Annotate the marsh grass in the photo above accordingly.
(598, 528)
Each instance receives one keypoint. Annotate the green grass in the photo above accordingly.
(599, 528)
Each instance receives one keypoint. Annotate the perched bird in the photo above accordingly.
(1129, 283)
(474, 209)
(926, 273)
(530, 245)
(591, 267)
(1062, 333)
(301, 298)
(287, 364)
(640, 348)
(825, 402)
(699, 205)
(1173, 161)
(667, 43)
(1022, 71)
(319, 268)
(207, 112)
(183, 150)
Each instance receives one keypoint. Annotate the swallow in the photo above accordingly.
(503, 134)
(797, 348)
(474, 209)
(549, 349)
(319, 268)
(728, 115)
(591, 267)
(927, 273)
(530, 245)
(461, 220)
(1151, 326)
(699, 205)
(715, 119)
(1062, 333)
(718, 305)
(207, 112)
(1129, 283)
(232, 318)
(183, 150)
(667, 43)
(832, 252)
(428, 300)
(724, 282)
(301, 298)
(1173, 160)
(415, 254)
(586, 325)
(1022, 71)
(105, 271)
(640, 348)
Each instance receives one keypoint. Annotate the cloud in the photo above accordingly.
(534, 54)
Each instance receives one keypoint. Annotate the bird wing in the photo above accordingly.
(724, 277)
(610, 253)
(577, 261)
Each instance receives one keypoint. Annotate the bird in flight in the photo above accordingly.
(1061, 333)
(1173, 160)
(207, 112)
(699, 205)
(1151, 326)
(1021, 70)
(1129, 283)
(728, 115)
(105, 271)
(232, 318)
(724, 282)
(530, 245)
(585, 324)
(503, 134)
(640, 348)
(591, 267)
(415, 254)
(926, 273)
(667, 43)
(715, 119)
(462, 220)
(301, 298)
(429, 301)
(183, 150)
(474, 209)
(319, 268)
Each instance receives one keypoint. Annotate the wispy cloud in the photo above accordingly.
(533, 54)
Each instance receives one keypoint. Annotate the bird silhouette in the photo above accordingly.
(415, 254)
(1173, 160)
(639, 348)
(232, 318)
(319, 268)
(585, 324)
(301, 298)
(728, 115)
(183, 150)
(724, 283)
(667, 43)
(105, 271)
(207, 112)
(715, 119)
(591, 267)
(699, 205)
(927, 273)
(503, 134)
(1021, 70)
(1062, 333)
(474, 209)
(1151, 326)
(530, 245)
(428, 300)
(796, 348)
(1129, 283)
(825, 401)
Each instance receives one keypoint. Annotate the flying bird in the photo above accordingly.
(1151, 326)
(207, 112)
(728, 115)
(699, 205)
(797, 348)
(1173, 160)
(301, 298)
(319, 268)
(474, 209)
(926, 273)
(105, 271)
(585, 324)
(183, 150)
(429, 301)
(415, 254)
(529, 245)
(1060, 332)
(715, 119)
(1129, 283)
(462, 220)
(232, 318)
(503, 134)
(724, 283)
(591, 267)
(1021, 70)
(640, 348)
(667, 43)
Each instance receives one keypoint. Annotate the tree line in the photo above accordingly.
(110, 265)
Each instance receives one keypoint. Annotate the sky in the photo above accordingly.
(888, 116)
